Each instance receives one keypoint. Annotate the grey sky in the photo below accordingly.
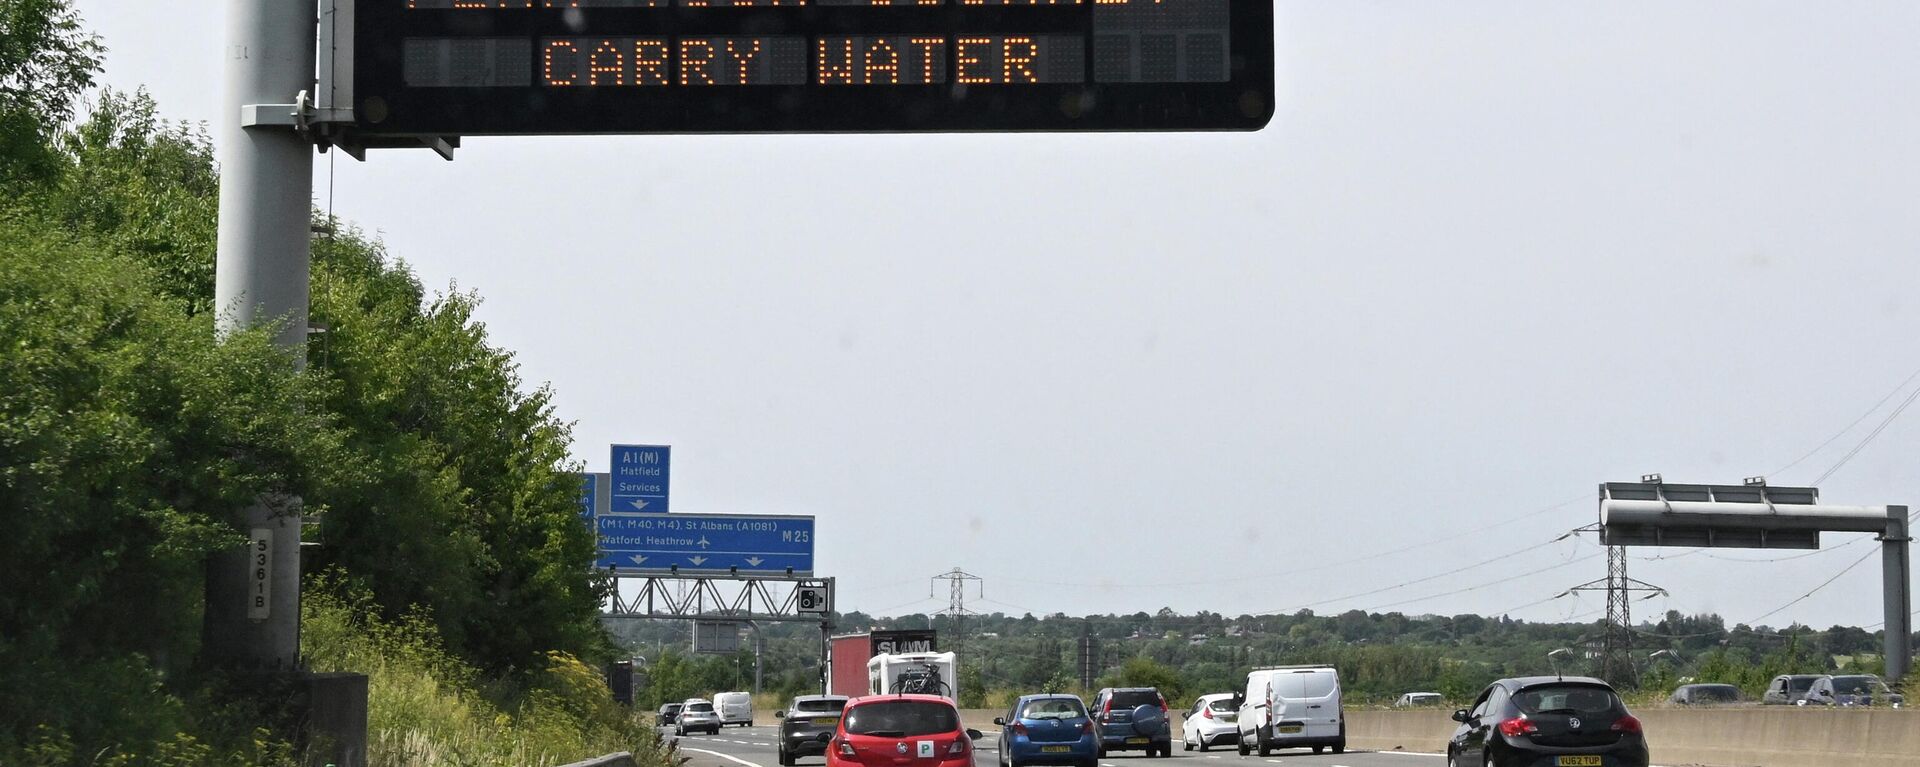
(1487, 255)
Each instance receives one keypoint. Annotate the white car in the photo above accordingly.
(1210, 722)
(736, 708)
(1419, 699)
(697, 715)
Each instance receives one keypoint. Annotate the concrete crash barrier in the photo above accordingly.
(621, 759)
(1773, 736)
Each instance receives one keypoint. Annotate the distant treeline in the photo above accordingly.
(1381, 655)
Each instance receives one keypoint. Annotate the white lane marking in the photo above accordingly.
(734, 759)
(1409, 753)
(1213, 757)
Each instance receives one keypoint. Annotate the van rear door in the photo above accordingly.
(1312, 699)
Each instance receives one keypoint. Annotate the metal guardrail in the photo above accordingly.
(619, 759)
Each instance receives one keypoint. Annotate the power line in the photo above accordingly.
(1908, 402)
(1856, 422)
(1530, 604)
(1816, 589)
(1706, 553)
(877, 612)
(1416, 581)
(1504, 580)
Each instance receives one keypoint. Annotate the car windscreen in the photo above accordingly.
(1223, 705)
(820, 706)
(1846, 685)
(701, 707)
(1800, 683)
(1053, 708)
(902, 719)
(1135, 698)
(1565, 699)
(1715, 692)
(671, 708)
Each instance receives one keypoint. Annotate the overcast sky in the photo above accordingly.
(1486, 256)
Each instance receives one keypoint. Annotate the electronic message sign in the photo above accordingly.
(530, 67)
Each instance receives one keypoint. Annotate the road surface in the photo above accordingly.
(754, 747)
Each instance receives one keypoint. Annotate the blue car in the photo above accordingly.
(1048, 729)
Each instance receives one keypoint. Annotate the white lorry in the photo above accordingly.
(917, 673)
(1293, 707)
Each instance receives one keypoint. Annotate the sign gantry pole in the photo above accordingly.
(266, 185)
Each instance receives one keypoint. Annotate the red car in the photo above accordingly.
(901, 731)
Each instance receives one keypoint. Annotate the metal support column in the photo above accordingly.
(1897, 573)
(759, 650)
(826, 657)
(266, 185)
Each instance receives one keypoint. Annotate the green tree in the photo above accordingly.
(1146, 672)
(128, 440)
(146, 187)
(468, 506)
(973, 687)
(46, 61)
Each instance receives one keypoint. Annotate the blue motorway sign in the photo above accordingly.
(640, 479)
(743, 543)
(588, 484)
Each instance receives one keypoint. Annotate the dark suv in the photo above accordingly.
(802, 724)
(1564, 721)
(1132, 719)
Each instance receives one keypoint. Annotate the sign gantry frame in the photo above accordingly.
(771, 598)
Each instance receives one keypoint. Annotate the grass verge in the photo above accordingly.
(428, 709)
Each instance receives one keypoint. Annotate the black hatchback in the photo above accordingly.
(1547, 721)
(802, 724)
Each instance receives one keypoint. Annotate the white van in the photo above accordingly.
(1293, 707)
(734, 708)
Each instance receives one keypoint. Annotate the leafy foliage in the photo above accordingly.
(46, 61)
(128, 439)
(428, 708)
(146, 187)
(466, 506)
(673, 676)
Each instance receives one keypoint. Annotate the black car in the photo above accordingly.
(669, 713)
(1547, 721)
(801, 725)
(1132, 719)
(1852, 690)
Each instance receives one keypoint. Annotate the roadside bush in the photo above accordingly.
(427, 708)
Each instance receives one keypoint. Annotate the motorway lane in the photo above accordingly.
(754, 747)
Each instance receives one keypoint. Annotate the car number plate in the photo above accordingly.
(1136, 741)
(1291, 728)
(826, 721)
(1579, 761)
(1056, 749)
